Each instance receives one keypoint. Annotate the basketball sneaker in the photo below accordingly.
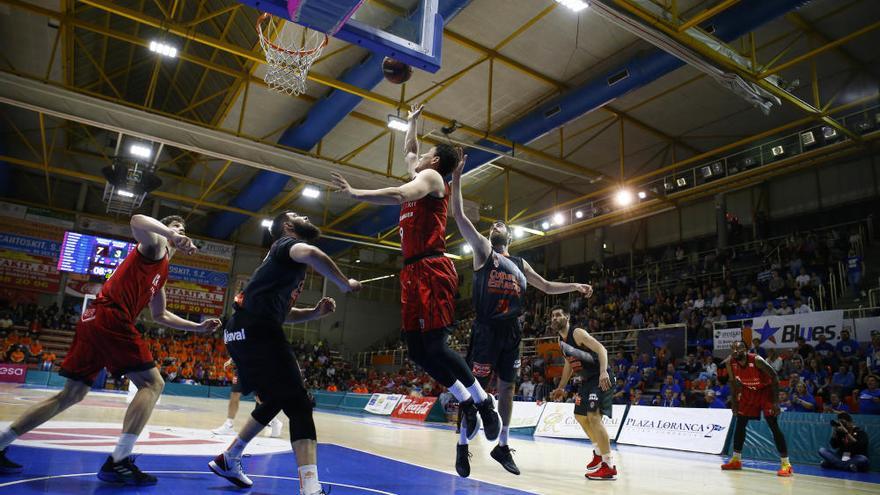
(231, 469)
(7, 466)
(491, 418)
(225, 429)
(470, 421)
(462, 461)
(275, 427)
(604, 473)
(785, 471)
(124, 472)
(595, 464)
(502, 454)
(732, 465)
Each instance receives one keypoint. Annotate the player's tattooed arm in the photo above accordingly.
(481, 246)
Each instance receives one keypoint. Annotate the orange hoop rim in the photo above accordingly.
(265, 16)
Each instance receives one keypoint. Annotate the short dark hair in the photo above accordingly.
(277, 228)
(447, 158)
(171, 219)
(844, 416)
(560, 308)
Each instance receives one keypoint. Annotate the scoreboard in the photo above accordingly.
(92, 255)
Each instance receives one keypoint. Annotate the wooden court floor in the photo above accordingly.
(548, 466)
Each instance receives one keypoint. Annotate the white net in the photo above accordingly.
(289, 61)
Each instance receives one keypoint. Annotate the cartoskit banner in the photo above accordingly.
(383, 404)
(679, 428)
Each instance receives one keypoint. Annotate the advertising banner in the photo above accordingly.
(12, 373)
(779, 332)
(557, 421)
(22, 271)
(723, 338)
(679, 428)
(189, 297)
(673, 338)
(526, 414)
(414, 408)
(383, 404)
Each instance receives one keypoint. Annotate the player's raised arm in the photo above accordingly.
(317, 259)
(426, 182)
(480, 245)
(549, 287)
(411, 142)
(151, 235)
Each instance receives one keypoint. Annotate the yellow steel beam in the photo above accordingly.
(706, 14)
(44, 146)
(210, 187)
(822, 49)
(229, 23)
(349, 213)
(213, 14)
(801, 23)
(96, 65)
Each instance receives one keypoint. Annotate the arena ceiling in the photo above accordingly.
(501, 60)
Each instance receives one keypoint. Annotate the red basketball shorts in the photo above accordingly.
(753, 402)
(427, 294)
(104, 338)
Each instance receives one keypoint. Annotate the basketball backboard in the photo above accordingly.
(408, 30)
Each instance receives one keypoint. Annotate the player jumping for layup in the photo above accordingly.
(428, 279)
(754, 389)
(587, 356)
(500, 282)
(255, 339)
(106, 337)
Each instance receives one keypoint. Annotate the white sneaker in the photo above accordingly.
(275, 427)
(230, 469)
(226, 429)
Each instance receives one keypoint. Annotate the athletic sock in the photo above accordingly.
(737, 456)
(503, 437)
(608, 458)
(785, 462)
(236, 448)
(462, 435)
(459, 391)
(124, 446)
(7, 436)
(477, 392)
(308, 480)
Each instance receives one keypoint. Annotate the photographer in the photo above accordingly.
(850, 443)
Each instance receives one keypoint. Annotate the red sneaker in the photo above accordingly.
(605, 472)
(732, 465)
(595, 463)
(785, 472)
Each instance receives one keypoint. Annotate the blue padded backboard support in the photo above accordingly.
(357, 35)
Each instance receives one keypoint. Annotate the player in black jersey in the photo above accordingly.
(588, 357)
(500, 282)
(256, 342)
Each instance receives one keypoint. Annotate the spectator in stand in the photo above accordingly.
(667, 399)
(5, 323)
(847, 348)
(47, 361)
(776, 285)
(621, 363)
(844, 379)
(638, 400)
(634, 378)
(669, 384)
(835, 405)
(801, 308)
(712, 400)
(542, 389)
(854, 269)
(16, 356)
(802, 400)
(784, 402)
(850, 444)
(775, 360)
(869, 397)
(803, 279)
(862, 374)
(824, 350)
(35, 349)
(691, 367)
(873, 353)
(710, 369)
(637, 320)
(621, 392)
(784, 308)
(527, 389)
(769, 310)
(647, 367)
(803, 348)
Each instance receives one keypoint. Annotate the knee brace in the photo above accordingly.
(298, 409)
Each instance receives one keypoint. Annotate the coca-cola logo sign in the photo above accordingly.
(414, 408)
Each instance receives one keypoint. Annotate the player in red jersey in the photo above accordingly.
(106, 337)
(754, 389)
(428, 279)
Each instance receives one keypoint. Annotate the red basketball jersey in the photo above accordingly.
(134, 283)
(423, 225)
(751, 377)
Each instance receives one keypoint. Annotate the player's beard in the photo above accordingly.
(306, 230)
(498, 241)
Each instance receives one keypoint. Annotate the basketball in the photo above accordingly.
(396, 71)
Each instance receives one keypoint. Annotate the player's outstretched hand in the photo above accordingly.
(326, 306)
(585, 289)
(459, 167)
(353, 285)
(415, 111)
(183, 243)
(604, 381)
(210, 325)
(340, 183)
(557, 395)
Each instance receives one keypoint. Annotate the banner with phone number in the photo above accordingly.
(190, 297)
(28, 272)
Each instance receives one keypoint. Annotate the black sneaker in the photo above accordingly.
(7, 466)
(502, 454)
(124, 472)
(462, 461)
(469, 419)
(490, 417)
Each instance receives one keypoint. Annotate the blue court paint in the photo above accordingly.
(346, 471)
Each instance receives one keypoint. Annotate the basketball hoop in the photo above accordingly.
(289, 63)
